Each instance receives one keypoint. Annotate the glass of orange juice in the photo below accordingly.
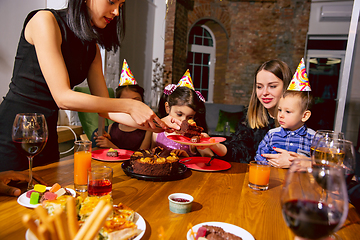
(82, 162)
(259, 174)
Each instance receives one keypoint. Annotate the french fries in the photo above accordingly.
(61, 226)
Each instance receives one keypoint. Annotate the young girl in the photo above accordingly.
(118, 135)
(181, 102)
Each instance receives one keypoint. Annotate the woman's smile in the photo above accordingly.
(267, 100)
(108, 20)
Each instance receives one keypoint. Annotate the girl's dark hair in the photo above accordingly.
(184, 96)
(79, 21)
(133, 88)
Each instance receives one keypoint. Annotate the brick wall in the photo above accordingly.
(247, 34)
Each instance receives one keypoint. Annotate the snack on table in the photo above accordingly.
(88, 205)
(189, 129)
(41, 194)
(158, 162)
(112, 153)
(214, 233)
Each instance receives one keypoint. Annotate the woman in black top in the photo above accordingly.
(270, 81)
(58, 50)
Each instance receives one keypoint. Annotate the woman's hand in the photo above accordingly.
(7, 176)
(281, 160)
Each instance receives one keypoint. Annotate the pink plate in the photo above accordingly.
(198, 163)
(100, 154)
(203, 141)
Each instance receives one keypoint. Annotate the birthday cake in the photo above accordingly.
(157, 162)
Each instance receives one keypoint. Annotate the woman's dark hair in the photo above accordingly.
(133, 88)
(184, 96)
(79, 21)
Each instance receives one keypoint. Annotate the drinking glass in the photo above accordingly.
(320, 134)
(338, 151)
(30, 134)
(259, 175)
(82, 162)
(100, 181)
(306, 212)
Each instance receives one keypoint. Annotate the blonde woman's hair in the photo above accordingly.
(257, 113)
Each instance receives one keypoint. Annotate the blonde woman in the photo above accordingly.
(271, 80)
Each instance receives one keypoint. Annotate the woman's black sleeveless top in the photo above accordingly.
(29, 92)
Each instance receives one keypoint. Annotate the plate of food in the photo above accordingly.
(132, 223)
(111, 155)
(219, 229)
(24, 199)
(199, 164)
(201, 142)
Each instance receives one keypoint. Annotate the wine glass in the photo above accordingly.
(306, 212)
(338, 151)
(30, 134)
(324, 134)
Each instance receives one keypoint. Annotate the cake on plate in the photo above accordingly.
(112, 153)
(157, 162)
(189, 129)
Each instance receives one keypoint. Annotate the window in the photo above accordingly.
(201, 60)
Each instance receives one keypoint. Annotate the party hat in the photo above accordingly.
(186, 81)
(126, 77)
(300, 81)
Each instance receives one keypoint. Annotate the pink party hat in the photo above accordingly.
(300, 81)
(126, 77)
(186, 81)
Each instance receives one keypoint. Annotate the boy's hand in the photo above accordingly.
(281, 160)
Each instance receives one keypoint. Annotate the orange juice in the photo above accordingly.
(82, 162)
(259, 176)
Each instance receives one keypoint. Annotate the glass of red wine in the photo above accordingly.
(30, 134)
(306, 211)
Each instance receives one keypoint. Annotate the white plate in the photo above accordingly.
(238, 231)
(139, 220)
(24, 201)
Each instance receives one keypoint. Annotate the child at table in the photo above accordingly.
(118, 135)
(294, 109)
(181, 102)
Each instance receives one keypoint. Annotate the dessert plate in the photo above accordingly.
(203, 141)
(100, 154)
(199, 163)
(227, 227)
(139, 221)
(25, 201)
(127, 168)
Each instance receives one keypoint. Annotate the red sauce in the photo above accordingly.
(180, 200)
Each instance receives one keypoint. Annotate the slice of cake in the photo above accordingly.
(112, 153)
(189, 129)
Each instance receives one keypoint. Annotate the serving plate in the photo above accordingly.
(139, 221)
(227, 227)
(25, 201)
(100, 155)
(199, 164)
(178, 175)
(203, 141)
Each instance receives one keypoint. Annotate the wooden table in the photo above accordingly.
(219, 196)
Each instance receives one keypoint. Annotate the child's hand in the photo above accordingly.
(180, 153)
(203, 135)
(104, 142)
(281, 160)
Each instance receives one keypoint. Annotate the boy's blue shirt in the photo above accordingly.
(298, 141)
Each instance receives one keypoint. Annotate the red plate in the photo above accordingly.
(203, 141)
(198, 163)
(100, 154)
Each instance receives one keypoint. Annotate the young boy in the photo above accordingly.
(292, 135)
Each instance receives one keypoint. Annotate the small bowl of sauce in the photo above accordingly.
(180, 202)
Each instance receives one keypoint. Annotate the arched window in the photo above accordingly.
(201, 60)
